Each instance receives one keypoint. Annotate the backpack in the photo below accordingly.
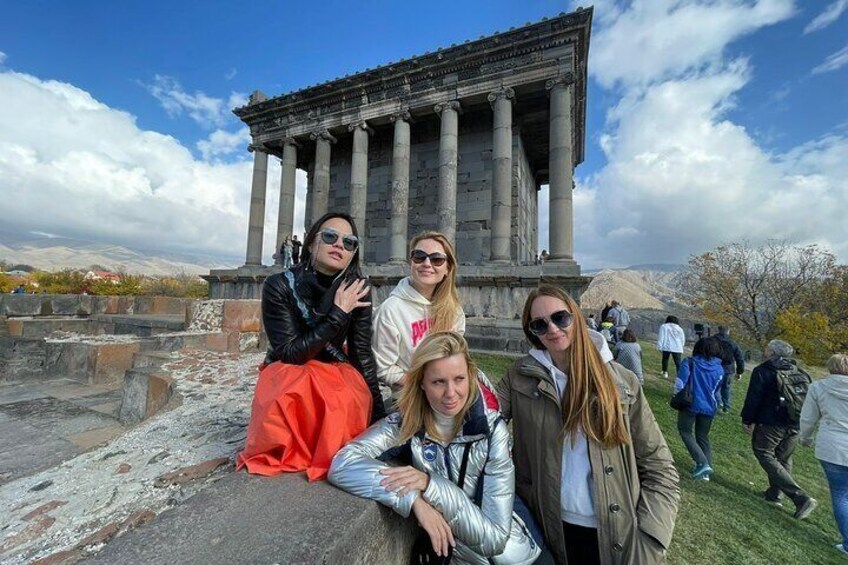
(792, 386)
(623, 317)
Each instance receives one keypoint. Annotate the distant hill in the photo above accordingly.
(55, 253)
(654, 287)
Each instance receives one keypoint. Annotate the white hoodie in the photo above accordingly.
(577, 502)
(399, 325)
(827, 405)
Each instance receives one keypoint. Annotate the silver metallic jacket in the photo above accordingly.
(488, 533)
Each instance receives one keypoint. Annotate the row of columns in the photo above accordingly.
(560, 179)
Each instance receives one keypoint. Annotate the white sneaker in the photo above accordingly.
(665, 375)
(841, 548)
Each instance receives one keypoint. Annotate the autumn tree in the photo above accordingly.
(747, 287)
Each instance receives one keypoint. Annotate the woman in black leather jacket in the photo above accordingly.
(318, 386)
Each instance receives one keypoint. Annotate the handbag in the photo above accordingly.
(685, 396)
(422, 549)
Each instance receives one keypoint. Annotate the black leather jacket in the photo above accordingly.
(292, 340)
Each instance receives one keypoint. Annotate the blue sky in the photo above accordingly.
(708, 121)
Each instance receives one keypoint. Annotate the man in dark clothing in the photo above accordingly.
(774, 434)
(730, 355)
(296, 245)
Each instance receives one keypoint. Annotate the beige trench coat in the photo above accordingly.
(636, 489)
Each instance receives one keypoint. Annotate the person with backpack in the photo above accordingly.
(704, 368)
(771, 416)
(620, 316)
(730, 355)
(457, 477)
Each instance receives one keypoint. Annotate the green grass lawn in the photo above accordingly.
(726, 520)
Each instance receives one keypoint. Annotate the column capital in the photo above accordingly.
(503, 93)
(290, 141)
(403, 115)
(361, 125)
(566, 79)
(449, 105)
(322, 134)
(253, 147)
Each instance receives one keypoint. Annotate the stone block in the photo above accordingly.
(23, 305)
(65, 305)
(145, 392)
(160, 389)
(242, 315)
(112, 361)
(204, 315)
(15, 327)
(218, 341)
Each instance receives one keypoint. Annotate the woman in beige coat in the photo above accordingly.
(590, 460)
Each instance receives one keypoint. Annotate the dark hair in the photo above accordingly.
(628, 336)
(353, 269)
(707, 347)
(672, 320)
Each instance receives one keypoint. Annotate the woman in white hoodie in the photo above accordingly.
(424, 301)
(826, 405)
(671, 341)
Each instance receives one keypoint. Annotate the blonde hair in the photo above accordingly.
(444, 304)
(413, 406)
(591, 398)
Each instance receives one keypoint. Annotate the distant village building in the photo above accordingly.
(17, 273)
(114, 278)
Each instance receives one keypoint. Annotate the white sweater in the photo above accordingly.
(671, 338)
(827, 405)
(399, 325)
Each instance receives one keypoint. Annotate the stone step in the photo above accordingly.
(4, 329)
(140, 325)
(93, 362)
(151, 358)
(21, 358)
(146, 391)
(44, 326)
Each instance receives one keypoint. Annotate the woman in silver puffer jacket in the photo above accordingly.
(442, 420)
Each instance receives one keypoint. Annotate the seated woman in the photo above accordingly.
(318, 386)
(460, 482)
(590, 459)
(424, 301)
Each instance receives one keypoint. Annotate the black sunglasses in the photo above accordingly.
(330, 237)
(418, 256)
(561, 319)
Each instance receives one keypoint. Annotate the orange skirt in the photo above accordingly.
(302, 415)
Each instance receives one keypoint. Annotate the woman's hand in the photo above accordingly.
(348, 296)
(404, 479)
(435, 525)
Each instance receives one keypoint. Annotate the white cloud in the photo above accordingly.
(230, 75)
(222, 143)
(3, 57)
(79, 168)
(681, 177)
(659, 39)
(206, 110)
(830, 14)
(833, 62)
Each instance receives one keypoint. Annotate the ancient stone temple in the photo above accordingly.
(459, 139)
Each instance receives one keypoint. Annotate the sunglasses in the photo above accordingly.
(418, 256)
(561, 319)
(330, 237)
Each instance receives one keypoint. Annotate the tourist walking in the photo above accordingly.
(591, 323)
(771, 415)
(295, 250)
(603, 486)
(705, 371)
(287, 251)
(826, 406)
(670, 341)
(628, 353)
(458, 479)
(620, 316)
(422, 302)
(733, 364)
(317, 388)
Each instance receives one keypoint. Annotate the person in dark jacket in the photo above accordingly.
(773, 435)
(318, 387)
(704, 367)
(730, 355)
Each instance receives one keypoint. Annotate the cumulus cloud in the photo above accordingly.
(830, 14)
(221, 143)
(681, 176)
(833, 62)
(206, 110)
(81, 169)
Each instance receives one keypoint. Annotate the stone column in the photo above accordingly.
(359, 177)
(307, 213)
(561, 171)
(501, 101)
(321, 176)
(400, 188)
(285, 218)
(256, 222)
(448, 157)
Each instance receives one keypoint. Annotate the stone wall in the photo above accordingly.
(474, 184)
